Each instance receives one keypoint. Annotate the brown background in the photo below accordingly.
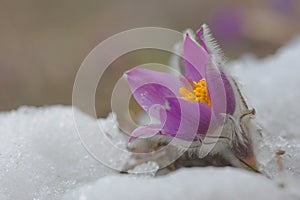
(42, 43)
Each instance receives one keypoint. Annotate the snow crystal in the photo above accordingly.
(271, 85)
(195, 183)
(149, 169)
(41, 155)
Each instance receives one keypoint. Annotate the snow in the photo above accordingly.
(42, 157)
(146, 169)
(202, 183)
(272, 87)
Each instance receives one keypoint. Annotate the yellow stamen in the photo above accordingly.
(198, 93)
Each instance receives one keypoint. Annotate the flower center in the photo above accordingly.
(199, 92)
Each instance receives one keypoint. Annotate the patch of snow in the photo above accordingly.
(149, 169)
(272, 86)
(41, 155)
(196, 183)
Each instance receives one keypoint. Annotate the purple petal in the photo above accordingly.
(220, 90)
(195, 59)
(185, 119)
(151, 88)
(145, 131)
(230, 98)
(186, 82)
(199, 34)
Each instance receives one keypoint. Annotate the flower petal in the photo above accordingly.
(145, 131)
(150, 88)
(230, 98)
(195, 59)
(220, 90)
(185, 119)
(199, 34)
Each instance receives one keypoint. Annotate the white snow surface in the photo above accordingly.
(271, 85)
(196, 183)
(42, 157)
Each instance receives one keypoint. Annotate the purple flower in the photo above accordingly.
(188, 105)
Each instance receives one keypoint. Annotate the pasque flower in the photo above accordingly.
(187, 106)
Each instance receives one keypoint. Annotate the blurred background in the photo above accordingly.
(42, 43)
